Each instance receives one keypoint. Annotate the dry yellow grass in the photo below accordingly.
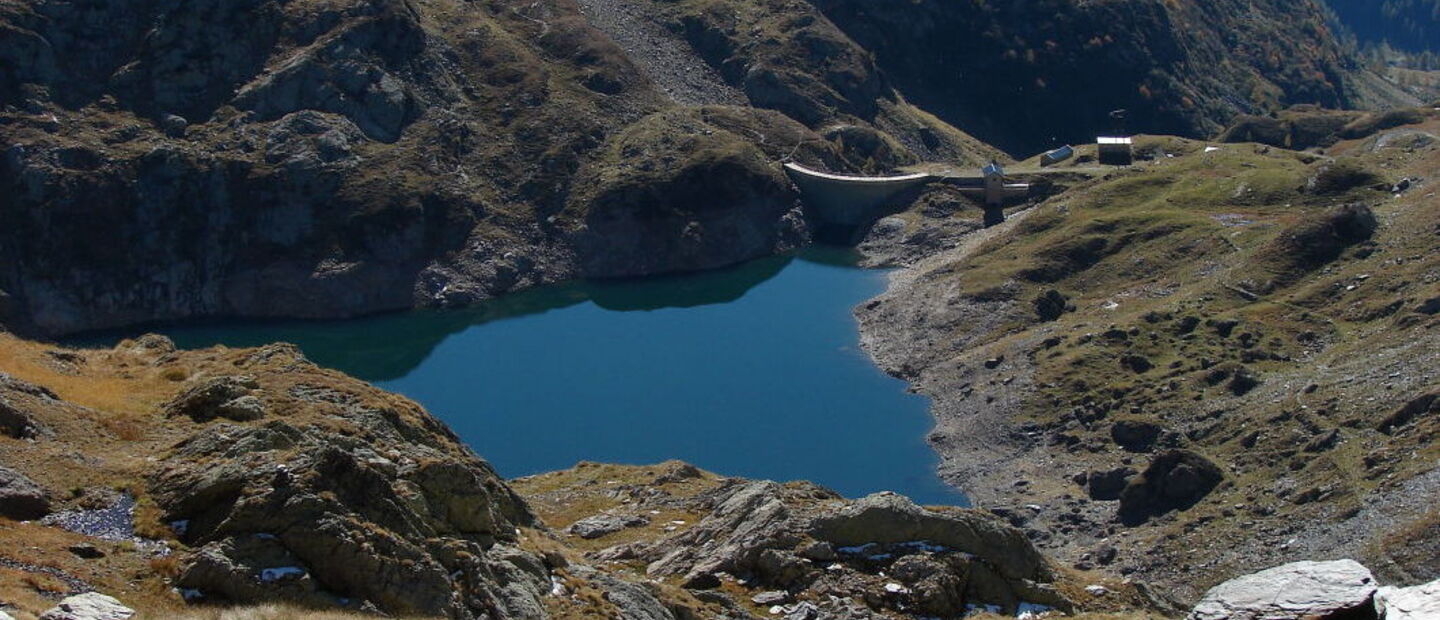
(120, 387)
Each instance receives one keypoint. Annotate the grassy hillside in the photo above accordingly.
(1271, 311)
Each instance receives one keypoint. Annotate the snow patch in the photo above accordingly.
(270, 575)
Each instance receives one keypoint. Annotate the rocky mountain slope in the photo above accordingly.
(1034, 75)
(165, 161)
(1209, 363)
(1410, 25)
(235, 477)
(1214, 361)
(317, 159)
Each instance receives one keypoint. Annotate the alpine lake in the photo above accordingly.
(753, 371)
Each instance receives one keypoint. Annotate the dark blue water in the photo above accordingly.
(752, 371)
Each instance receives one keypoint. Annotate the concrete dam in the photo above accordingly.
(849, 200)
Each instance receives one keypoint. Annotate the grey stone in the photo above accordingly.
(820, 551)
(772, 597)
(1420, 602)
(635, 601)
(174, 125)
(1051, 305)
(1316, 590)
(1107, 485)
(888, 518)
(746, 518)
(218, 397)
(600, 525)
(88, 606)
(20, 497)
(1135, 435)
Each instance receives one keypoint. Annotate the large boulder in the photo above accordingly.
(597, 526)
(20, 497)
(1108, 484)
(16, 419)
(885, 518)
(1175, 480)
(635, 601)
(1420, 602)
(1136, 435)
(218, 397)
(1342, 589)
(89, 606)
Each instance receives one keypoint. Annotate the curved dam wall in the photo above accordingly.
(848, 200)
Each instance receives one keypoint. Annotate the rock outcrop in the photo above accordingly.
(1175, 480)
(20, 497)
(803, 538)
(219, 397)
(89, 606)
(400, 520)
(687, 189)
(1320, 590)
(16, 399)
(1412, 603)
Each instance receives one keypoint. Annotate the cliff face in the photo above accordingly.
(168, 160)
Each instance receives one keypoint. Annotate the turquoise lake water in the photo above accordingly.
(751, 371)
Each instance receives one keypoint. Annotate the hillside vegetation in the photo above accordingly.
(1261, 319)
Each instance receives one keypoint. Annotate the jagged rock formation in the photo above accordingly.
(274, 480)
(797, 544)
(390, 512)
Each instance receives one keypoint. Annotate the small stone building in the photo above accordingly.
(1116, 151)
